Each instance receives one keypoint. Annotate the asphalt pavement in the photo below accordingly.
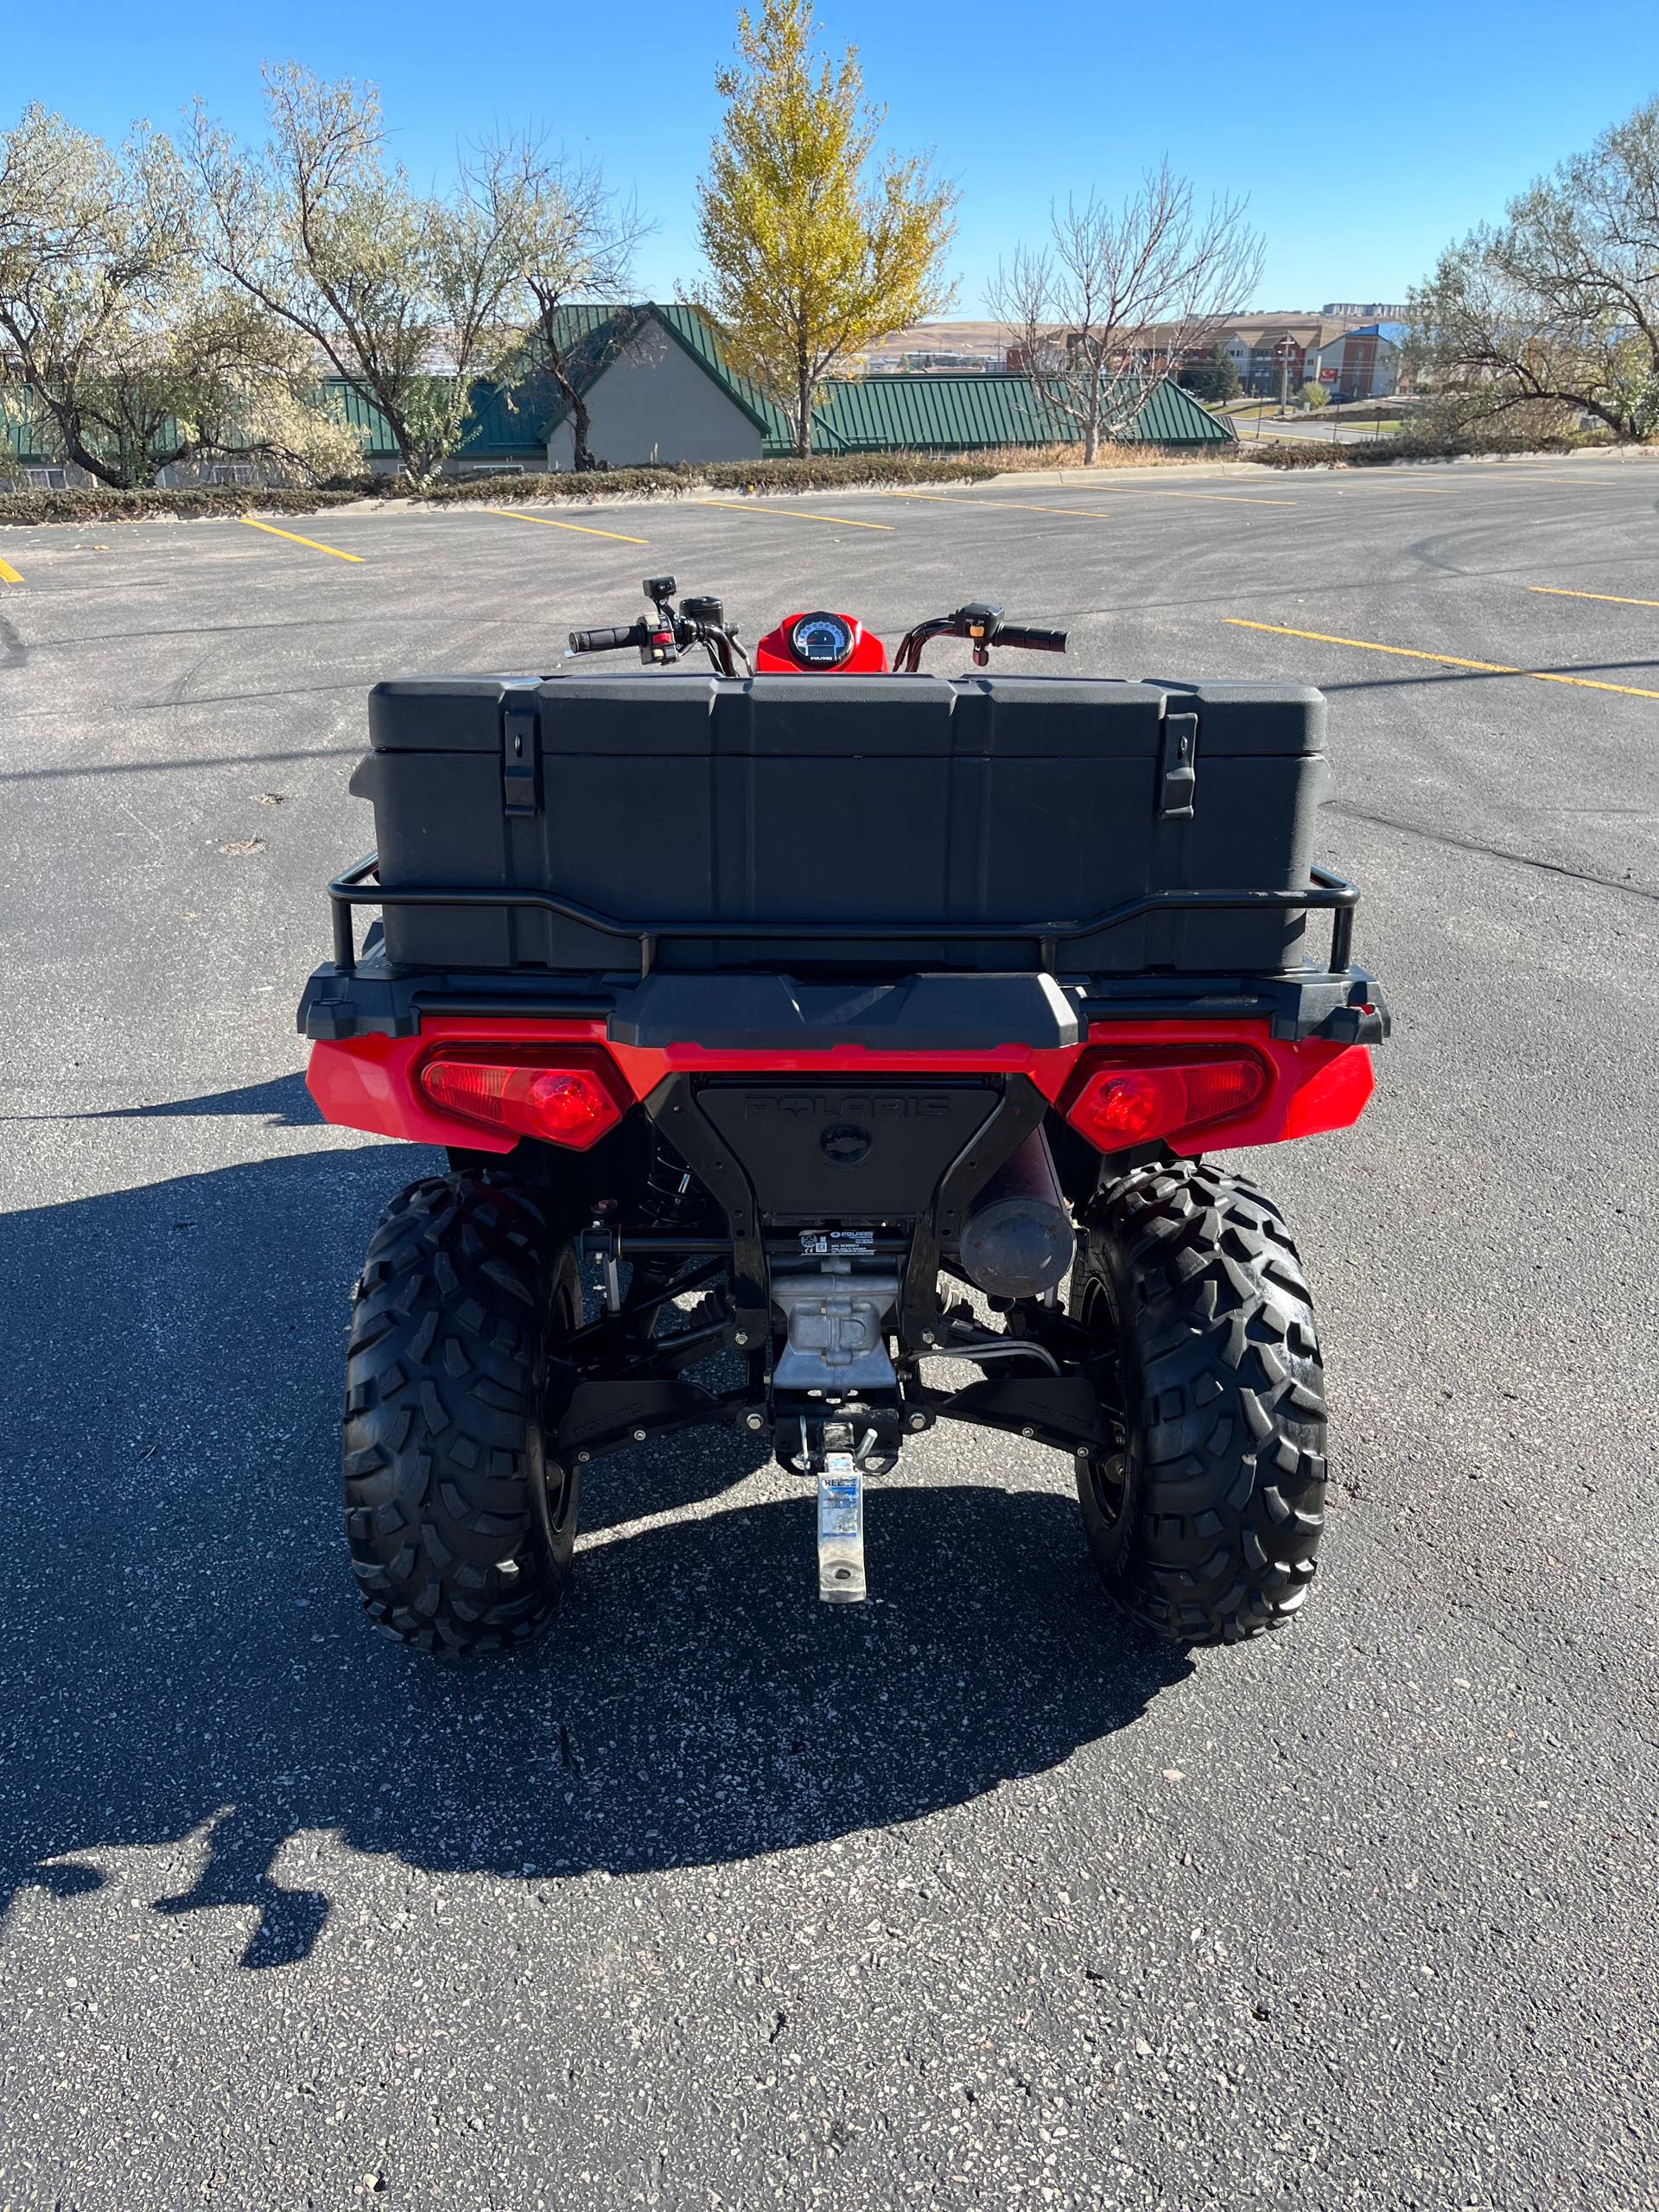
(971, 1895)
(1320, 429)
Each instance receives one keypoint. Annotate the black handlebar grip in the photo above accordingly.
(608, 641)
(1030, 641)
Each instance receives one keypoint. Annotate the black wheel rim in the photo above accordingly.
(553, 1488)
(561, 1495)
(1108, 1472)
(1109, 1481)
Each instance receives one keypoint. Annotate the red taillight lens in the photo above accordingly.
(1115, 1106)
(572, 1103)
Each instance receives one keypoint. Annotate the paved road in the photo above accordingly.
(969, 1897)
(1322, 430)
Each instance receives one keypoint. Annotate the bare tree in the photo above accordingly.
(112, 347)
(1557, 308)
(402, 293)
(573, 241)
(1121, 297)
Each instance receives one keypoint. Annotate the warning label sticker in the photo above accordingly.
(836, 1243)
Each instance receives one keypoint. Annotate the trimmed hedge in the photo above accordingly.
(199, 501)
(1381, 452)
(152, 503)
(822, 473)
(826, 474)
(830, 473)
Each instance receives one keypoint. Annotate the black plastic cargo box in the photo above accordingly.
(833, 823)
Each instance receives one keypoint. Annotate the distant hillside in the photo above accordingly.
(985, 344)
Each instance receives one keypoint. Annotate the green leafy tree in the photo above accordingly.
(402, 293)
(114, 351)
(1314, 394)
(1555, 310)
(813, 246)
(1214, 380)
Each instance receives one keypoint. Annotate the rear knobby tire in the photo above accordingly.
(1206, 1524)
(460, 1524)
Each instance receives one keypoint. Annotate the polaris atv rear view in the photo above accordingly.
(867, 1027)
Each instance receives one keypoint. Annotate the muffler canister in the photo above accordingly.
(1017, 1239)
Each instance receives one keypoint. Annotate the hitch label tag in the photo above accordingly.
(840, 1499)
(836, 1243)
(840, 1530)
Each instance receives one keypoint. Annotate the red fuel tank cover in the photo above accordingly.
(820, 643)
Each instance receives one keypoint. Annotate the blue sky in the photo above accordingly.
(1364, 141)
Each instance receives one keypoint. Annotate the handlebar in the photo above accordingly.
(667, 637)
(614, 640)
(984, 627)
(701, 621)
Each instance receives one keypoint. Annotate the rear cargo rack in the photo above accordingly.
(1326, 893)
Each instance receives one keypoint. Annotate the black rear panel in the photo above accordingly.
(835, 1149)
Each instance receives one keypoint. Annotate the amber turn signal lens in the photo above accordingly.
(571, 1104)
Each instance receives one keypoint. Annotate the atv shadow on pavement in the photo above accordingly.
(185, 1654)
(282, 1103)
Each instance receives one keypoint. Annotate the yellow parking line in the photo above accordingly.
(517, 514)
(1157, 492)
(1035, 507)
(996, 506)
(1448, 660)
(1094, 514)
(1613, 599)
(1514, 476)
(793, 514)
(272, 530)
(1162, 491)
(7, 574)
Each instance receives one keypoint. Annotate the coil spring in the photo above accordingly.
(667, 1195)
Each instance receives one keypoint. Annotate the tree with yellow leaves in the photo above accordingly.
(813, 248)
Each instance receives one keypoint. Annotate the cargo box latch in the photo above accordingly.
(1177, 768)
(520, 792)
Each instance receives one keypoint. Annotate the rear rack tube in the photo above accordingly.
(1326, 893)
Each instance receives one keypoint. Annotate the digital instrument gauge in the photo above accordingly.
(821, 640)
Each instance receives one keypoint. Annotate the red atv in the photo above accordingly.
(823, 1051)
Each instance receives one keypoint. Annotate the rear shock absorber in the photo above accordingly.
(671, 1198)
(665, 1201)
(667, 1197)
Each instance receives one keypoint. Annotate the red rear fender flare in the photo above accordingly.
(368, 1082)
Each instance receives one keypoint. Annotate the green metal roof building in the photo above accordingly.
(964, 414)
(663, 332)
(878, 413)
(660, 386)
